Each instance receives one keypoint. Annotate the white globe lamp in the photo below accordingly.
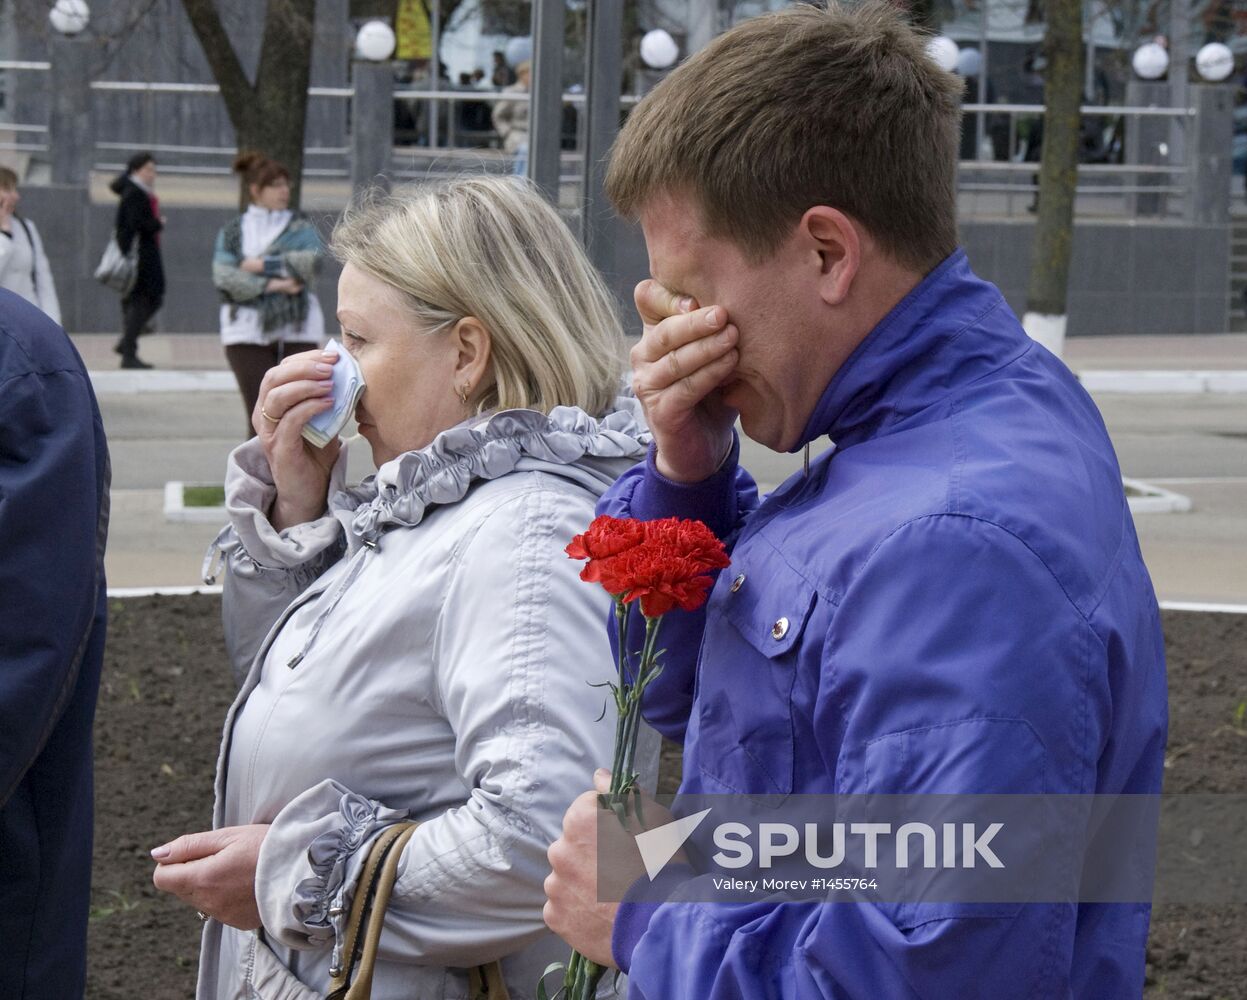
(375, 42)
(944, 51)
(70, 17)
(969, 62)
(1150, 61)
(659, 50)
(518, 50)
(1215, 62)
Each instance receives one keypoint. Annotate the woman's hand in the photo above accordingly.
(286, 286)
(214, 872)
(252, 265)
(291, 394)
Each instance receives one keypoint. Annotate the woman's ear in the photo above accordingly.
(832, 240)
(474, 346)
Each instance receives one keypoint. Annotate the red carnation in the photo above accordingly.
(663, 564)
(607, 536)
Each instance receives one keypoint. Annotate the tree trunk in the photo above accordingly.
(1058, 175)
(269, 116)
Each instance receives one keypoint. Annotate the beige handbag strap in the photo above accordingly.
(363, 928)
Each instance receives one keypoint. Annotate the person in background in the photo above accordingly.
(511, 120)
(416, 645)
(503, 75)
(54, 476)
(139, 218)
(23, 264)
(263, 263)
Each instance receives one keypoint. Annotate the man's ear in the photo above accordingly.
(832, 239)
(474, 346)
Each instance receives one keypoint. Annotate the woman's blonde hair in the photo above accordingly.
(493, 248)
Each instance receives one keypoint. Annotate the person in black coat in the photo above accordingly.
(138, 218)
(54, 477)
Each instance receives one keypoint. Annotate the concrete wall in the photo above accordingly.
(75, 233)
(1125, 277)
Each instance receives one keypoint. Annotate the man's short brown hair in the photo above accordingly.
(839, 107)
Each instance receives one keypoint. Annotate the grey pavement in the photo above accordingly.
(1191, 352)
(1193, 444)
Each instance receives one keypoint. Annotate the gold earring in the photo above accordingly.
(463, 392)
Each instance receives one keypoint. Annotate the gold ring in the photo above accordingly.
(201, 915)
(265, 414)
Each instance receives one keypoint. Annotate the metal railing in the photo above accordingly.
(993, 185)
(1136, 174)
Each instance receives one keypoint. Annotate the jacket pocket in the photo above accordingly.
(269, 979)
(749, 663)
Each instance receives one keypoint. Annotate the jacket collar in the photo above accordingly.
(916, 355)
(566, 440)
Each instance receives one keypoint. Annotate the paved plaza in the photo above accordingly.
(1192, 443)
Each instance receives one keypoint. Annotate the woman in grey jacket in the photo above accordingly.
(418, 646)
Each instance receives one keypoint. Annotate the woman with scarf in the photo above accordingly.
(263, 264)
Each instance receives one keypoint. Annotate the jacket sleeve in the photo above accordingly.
(6, 255)
(45, 284)
(955, 663)
(50, 540)
(135, 217)
(265, 569)
(518, 643)
(301, 261)
(723, 502)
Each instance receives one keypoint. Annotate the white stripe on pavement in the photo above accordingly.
(1235, 609)
(129, 383)
(161, 591)
(1226, 609)
(1181, 382)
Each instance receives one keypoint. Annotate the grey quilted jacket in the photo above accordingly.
(424, 650)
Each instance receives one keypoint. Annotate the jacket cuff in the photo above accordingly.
(249, 495)
(712, 500)
(637, 908)
(310, 862)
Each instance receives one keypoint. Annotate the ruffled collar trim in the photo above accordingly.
(402, 491)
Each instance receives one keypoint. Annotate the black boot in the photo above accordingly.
(132, 361)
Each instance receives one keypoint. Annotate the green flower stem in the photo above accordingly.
(581, 977)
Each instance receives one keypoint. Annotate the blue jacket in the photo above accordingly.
(966, 610)
(54, 476)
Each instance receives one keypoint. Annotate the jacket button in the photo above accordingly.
(738, 583)
(779, 629)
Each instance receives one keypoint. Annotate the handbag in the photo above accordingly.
(363, 928)
(118, 270)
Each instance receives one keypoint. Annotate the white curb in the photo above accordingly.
(1184, 382)
(123, 592)
(176, 509)
(1223, 609)
(1155, 499)
(128, 383)
(161, 591)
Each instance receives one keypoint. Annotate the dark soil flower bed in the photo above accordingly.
(166, 687)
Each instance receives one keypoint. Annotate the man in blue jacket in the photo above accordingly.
(950, 601)
(54, 476)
